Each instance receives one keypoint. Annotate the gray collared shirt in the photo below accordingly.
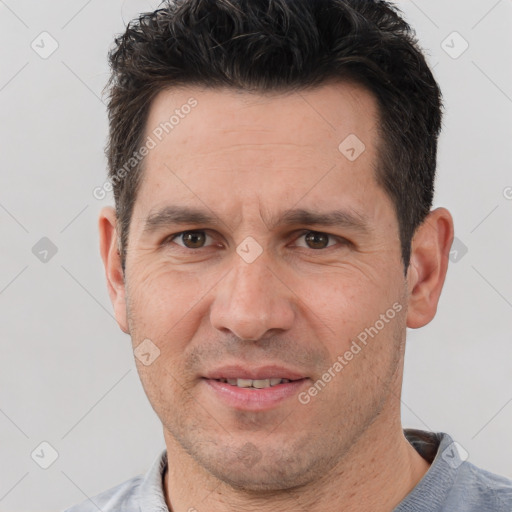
(451, 484)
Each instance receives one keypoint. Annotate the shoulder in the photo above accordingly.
(132, 495)
(121, 497)
(481, 490)
(452, 483)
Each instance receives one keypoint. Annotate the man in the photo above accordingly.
(273, 164)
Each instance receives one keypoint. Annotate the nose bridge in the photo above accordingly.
(251, 300)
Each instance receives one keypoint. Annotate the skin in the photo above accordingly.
(247, 158)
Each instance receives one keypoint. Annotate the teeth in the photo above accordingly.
(254, 383)
(244, 383)
(260, 384)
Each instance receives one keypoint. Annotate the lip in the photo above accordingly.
(260, 373)
(251, 399)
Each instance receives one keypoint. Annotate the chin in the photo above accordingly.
(253, 469)
(262, 480)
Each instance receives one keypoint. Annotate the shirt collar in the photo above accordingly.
(151, 491)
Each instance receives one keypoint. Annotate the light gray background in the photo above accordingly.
(67, 371)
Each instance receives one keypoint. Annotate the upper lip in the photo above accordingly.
(255, 373)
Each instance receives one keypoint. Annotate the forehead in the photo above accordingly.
(324, 114)
(267, 147)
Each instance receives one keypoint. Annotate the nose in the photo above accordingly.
(252, 302)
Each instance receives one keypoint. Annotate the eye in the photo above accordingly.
(197, 239)
(317, 240)
(189, 239)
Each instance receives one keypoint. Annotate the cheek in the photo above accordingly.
(342, 298)
(165, 305)
(345, 306)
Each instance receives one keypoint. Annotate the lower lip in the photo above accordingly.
(251, 399)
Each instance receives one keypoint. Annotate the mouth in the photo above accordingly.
(257, 383)
(254, 389)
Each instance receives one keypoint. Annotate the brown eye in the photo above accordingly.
(317, 240)
(193, 239)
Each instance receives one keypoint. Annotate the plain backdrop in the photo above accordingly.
(67, 374)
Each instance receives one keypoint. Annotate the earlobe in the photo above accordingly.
(107, 224)
(428, 266)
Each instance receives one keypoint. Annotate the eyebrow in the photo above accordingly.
(183, 215)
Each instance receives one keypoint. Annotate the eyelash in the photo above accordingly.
(341, 240)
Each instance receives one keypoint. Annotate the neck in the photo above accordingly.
(380, 469)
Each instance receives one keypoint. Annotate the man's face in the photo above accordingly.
(257, 291)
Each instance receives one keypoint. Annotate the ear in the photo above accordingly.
(430, 251)
(112, 263)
